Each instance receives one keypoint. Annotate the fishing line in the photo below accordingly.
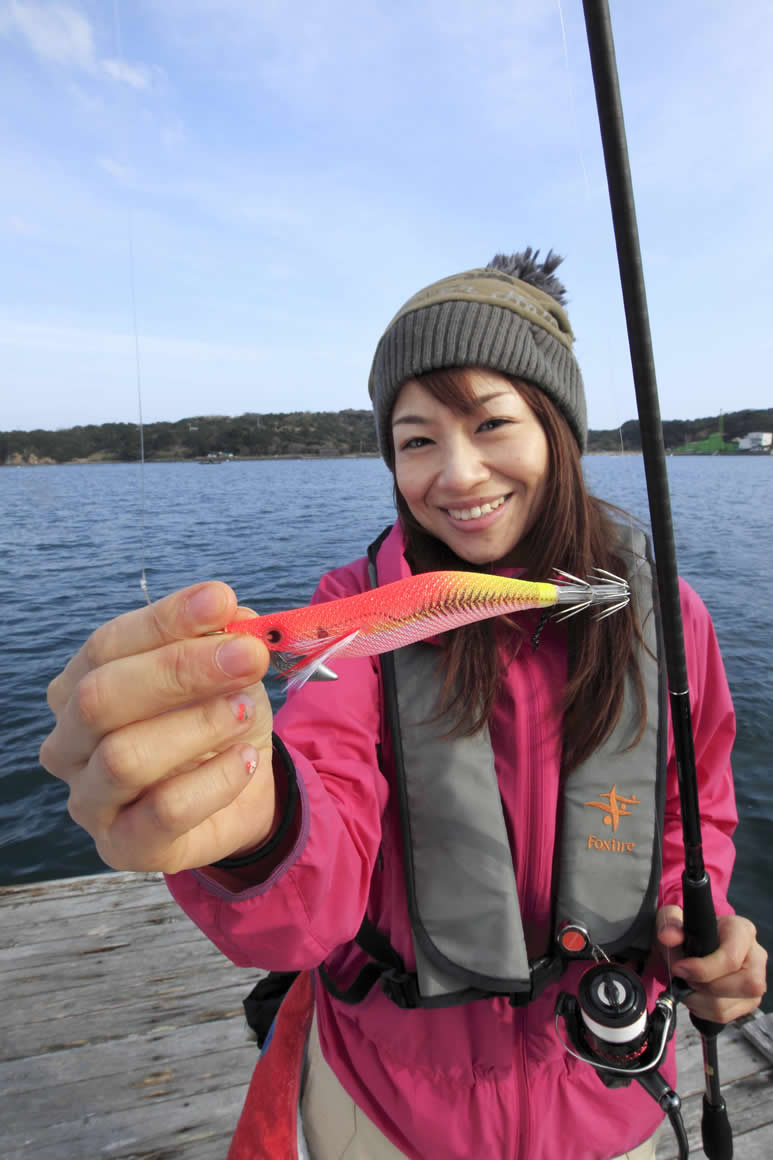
(586, 181)
(628, 469)
(135, 327)
(572, 103)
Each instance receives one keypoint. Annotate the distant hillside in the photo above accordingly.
(677, 432)
(299, 433)
(317, 433)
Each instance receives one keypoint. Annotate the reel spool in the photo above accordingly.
(613, 1010)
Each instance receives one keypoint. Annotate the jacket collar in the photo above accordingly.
(392, 564)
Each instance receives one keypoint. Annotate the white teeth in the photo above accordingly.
(476, 512)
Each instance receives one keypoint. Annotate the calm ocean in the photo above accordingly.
(71, 552)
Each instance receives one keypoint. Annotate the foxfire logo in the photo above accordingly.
(614, 809)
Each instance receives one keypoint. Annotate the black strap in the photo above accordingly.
(402, 987)
(386, 966)
(263, 1002)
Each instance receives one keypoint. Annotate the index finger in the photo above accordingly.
(190, 612)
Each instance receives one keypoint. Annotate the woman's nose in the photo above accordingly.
(463, 467)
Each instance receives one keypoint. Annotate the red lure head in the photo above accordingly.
(280, 632)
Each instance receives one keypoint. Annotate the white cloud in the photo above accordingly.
(116, 169)
(361, 65)
(61, 35)
(172, 134)
(134, 75)
(68, 339)
(53, 32)
(18, 225)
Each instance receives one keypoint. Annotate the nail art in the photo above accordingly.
(250, 759)
(242, 706)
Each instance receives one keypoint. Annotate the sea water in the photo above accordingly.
(71, 551)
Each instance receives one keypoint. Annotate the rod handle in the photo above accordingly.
(716, 1133)
(701, 936)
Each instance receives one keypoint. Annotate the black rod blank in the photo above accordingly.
(700, 923)
(610, 111)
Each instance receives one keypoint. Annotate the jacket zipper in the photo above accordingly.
(533, 864)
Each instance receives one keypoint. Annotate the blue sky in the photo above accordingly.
(276, 179)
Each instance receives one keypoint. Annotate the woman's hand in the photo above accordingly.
(163, 735)
(727, 983)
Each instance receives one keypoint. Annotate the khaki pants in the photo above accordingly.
(336, 1129)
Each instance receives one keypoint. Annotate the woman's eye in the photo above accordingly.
(492, 424)
(417, 441)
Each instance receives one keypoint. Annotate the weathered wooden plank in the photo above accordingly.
(172, 1130)
(759, 1032)
(155, 1071)
(736, 1062)
(126, 1017)
(148, 1053)
(75, 896)
(100, 967)
(152, 982)
(156, 921)
(81, 991)
(122, 1022)
(82, 895)
(125, 1038)
(79, 888)
(750, 1109)
(80, 885)
(754, 1145)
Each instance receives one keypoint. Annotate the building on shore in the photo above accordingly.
(756, 441)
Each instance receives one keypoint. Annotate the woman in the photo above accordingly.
(280, 846)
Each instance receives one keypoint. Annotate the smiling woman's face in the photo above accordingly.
(474, 480)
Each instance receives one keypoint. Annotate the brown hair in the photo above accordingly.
(573, 531)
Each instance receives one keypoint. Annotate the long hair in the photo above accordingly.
(574, 531)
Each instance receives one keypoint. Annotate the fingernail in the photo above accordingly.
(671, 924)
(242, 706)
(238, 657)
(249, 756)
(205, 606)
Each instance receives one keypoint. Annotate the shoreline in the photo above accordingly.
(93, 462)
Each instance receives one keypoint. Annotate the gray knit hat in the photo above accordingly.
(507, 316)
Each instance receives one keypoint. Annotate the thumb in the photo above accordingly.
(669, 926)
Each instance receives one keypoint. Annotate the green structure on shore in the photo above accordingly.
(714, 445)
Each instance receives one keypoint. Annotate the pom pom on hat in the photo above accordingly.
(537, 274)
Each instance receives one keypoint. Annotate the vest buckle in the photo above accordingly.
(402, 988)
(542, 972)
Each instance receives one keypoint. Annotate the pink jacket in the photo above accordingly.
(481, 1079)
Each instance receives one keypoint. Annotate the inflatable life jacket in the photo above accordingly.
(459, 874)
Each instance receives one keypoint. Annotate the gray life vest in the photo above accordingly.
(460, 880)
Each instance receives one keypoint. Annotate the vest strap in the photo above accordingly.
(402, 987)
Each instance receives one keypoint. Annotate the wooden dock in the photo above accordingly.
(122, 1034)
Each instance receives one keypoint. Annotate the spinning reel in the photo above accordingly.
(608, 1026)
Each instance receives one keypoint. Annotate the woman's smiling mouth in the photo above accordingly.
(476, 512)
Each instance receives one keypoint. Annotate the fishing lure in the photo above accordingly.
(301, 640)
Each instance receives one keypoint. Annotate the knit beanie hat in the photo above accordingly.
(507, 317)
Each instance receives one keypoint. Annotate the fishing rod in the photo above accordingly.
(700, 923)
